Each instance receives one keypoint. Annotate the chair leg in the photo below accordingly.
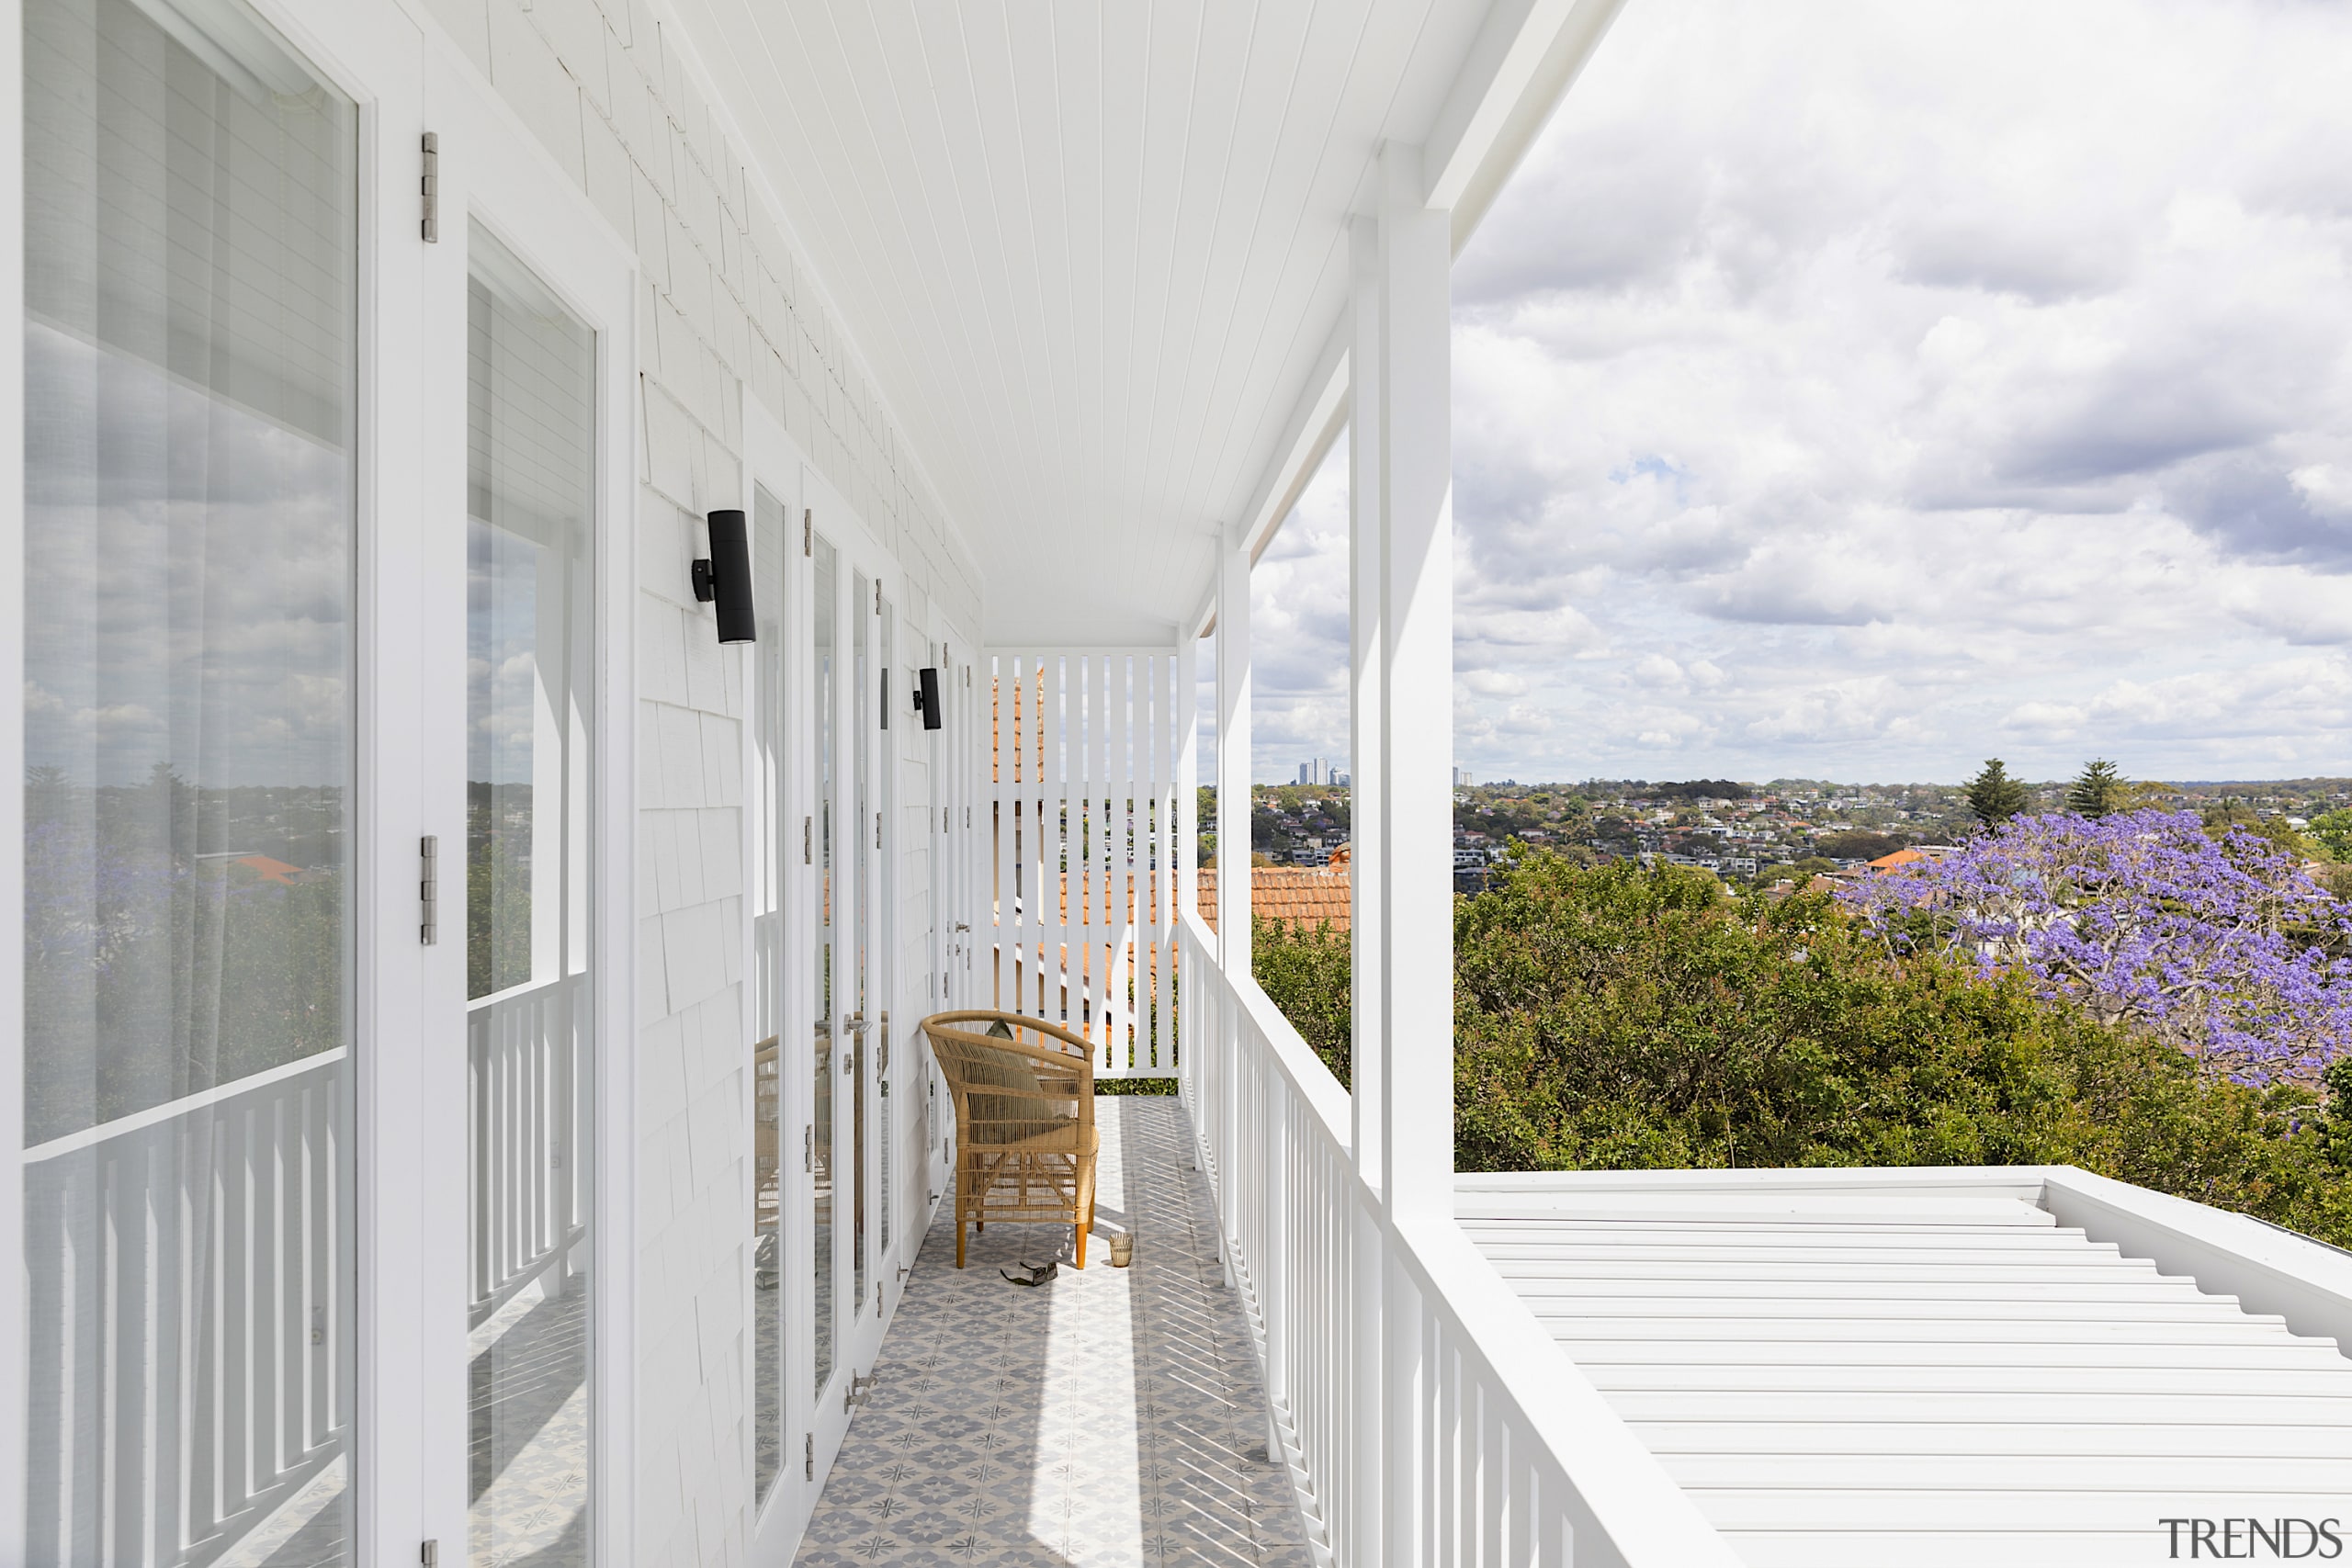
(959, 1235)
(1081, 1230)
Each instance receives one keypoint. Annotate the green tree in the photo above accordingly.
(2220, 821)
(1858, 843)
(2097, 790)
(2331, 831)
(1305, 971)
(1995, 796)
(1622, 1019)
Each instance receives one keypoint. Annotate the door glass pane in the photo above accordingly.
(190, 257)
(863, 833)
(767, 988)
(530, 698)
(822, 665)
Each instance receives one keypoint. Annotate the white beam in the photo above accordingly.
(1314, 423)
(1527, 54)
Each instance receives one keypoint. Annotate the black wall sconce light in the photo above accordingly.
(725, 575)
(927, 697)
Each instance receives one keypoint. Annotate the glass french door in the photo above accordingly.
(775, 854)
(530, 1015)
(858, 1067)
(524, 293)
(221, 914)
(192, 377)
(309, 531)
(830, 1185)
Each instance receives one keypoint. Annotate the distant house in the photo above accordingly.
(1301, 896)
(1919, 854)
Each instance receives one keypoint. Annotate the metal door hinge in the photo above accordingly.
(808, 831)
(429, 1555)
(432, 186)
(808, 1456)
(807, 530)
(878, 595)
(808, 1149)
(861, 1388)
(428, 887)
(943, 819)
(877, 829)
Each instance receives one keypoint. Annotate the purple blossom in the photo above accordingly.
(2226, 948)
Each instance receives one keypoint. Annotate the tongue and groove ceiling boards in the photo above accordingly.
(1095, 256)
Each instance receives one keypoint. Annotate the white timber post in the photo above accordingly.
(1233, 754)
(1185, 862)
(1232, 853)
(1364, 764)
(1414, 520)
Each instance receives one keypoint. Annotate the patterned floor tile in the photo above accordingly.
(1105, 1420)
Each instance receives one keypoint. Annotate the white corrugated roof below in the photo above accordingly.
(2018, 1367)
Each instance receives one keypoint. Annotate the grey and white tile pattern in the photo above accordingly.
(1112, 1417)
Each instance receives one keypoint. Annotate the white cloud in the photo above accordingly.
(1863, 389)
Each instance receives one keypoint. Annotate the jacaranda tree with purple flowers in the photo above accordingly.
(2223, 947)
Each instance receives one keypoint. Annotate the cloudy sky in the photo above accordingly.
(1863, 390)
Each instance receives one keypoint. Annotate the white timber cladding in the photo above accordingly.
(1082, 809)
(727, 309)
(1934, 1366)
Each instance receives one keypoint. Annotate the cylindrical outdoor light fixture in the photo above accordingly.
(725, 576)
(927, 697)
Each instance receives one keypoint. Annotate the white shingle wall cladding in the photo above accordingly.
(724, 307)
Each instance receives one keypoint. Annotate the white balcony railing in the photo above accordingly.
(526, 1116)
(1455, 1433)
(184, 1297)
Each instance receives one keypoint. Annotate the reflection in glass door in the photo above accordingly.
(822, 668)
(530, 702)
(190, 201)
(769, 881)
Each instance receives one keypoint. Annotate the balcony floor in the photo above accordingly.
(1112, 1417)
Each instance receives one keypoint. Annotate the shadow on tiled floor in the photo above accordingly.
(1112, 1417)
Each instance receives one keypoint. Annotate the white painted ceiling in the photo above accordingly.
(1091, 253)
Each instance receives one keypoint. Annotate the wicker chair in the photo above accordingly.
(1026, 1139)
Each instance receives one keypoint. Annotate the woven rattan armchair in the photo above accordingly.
(1026, 1139)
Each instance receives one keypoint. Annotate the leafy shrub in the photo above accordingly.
(1613, 1018)
(1305, 972)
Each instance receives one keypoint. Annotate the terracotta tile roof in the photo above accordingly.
(1301, 895)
